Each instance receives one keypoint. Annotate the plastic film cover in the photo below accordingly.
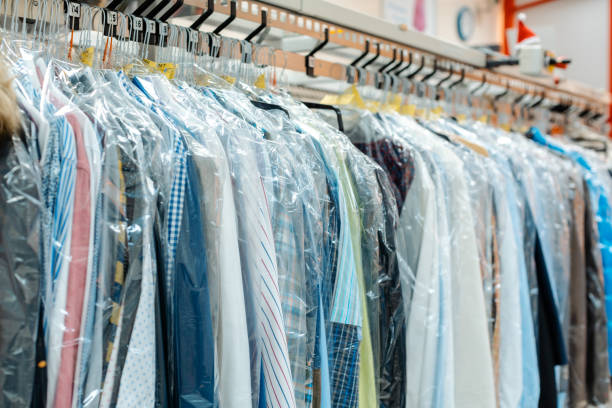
(20, 265)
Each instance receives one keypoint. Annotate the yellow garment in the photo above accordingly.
(475, 147)
(367, 382)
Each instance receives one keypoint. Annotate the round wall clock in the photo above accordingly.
(466, 23)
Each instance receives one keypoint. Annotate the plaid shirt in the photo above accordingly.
(343, 350)
(340, 296)
(396, 160)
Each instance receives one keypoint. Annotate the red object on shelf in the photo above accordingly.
(510, 8)
(531, 4)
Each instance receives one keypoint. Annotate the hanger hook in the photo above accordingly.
(432, 73)
(398, 73)
(374, 58)
(419, 69)
(388, 64)
(204, 16)
(482, 84)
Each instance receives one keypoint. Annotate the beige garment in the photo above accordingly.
(9, 115)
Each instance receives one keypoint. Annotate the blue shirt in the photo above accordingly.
(604, 218)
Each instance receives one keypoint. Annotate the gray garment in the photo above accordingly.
(19, 273)
(597, 371)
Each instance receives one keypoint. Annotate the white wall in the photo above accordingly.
(578, 29)
(487, 28)
(443, 18)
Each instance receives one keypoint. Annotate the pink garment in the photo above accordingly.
(419, 21)
(79, 250)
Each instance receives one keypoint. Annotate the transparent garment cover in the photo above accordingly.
(251, 170)
(295, 213)
(321, 246)
(218, 269)
(588, 376)
(422, 263)
(462, 298)
(383, 291)
(348, 309)
(67, 295)
(22, 253)
(173, 214)
(518, 379)
(119, 324)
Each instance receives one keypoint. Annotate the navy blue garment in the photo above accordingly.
(551, 344)
(194, 346)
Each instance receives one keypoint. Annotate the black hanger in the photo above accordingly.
(114, 4)
(506, 92)
(155, 10)
(419, 69)
(314, 105)
(383, 68)
(518, 100)
(539, 101)
(479, 87)
(397, 64)
(388, 64)
(260, 27)
(596, 116)
(228, 20)
(407, 66)
(142, 8)
(562, 106)
(366, 50)
(309, 60)
(268, 106)
(459, 81)
(153, 14)
(176, 7)
(432, 73)
(264, 23)
(204, 16)
(374, 58)
(363, 54)
(451, 71)
(585, 112)
(446, 78)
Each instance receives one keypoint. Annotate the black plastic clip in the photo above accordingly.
(228, 20)
(314, 105)
(204, 16)
(309, 60)
(419, 69)
(260, 27)
(459, 81)
(375, 56)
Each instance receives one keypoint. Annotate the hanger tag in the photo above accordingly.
(138, 24)
(151, 26)
(163, 29)
(74, 10)
(112, 18)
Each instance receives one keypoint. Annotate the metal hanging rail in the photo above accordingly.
(346, 30)
(387, 39)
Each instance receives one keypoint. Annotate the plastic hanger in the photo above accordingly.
(314, 105)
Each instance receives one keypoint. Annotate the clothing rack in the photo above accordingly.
(311, 18)
(334, 41)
